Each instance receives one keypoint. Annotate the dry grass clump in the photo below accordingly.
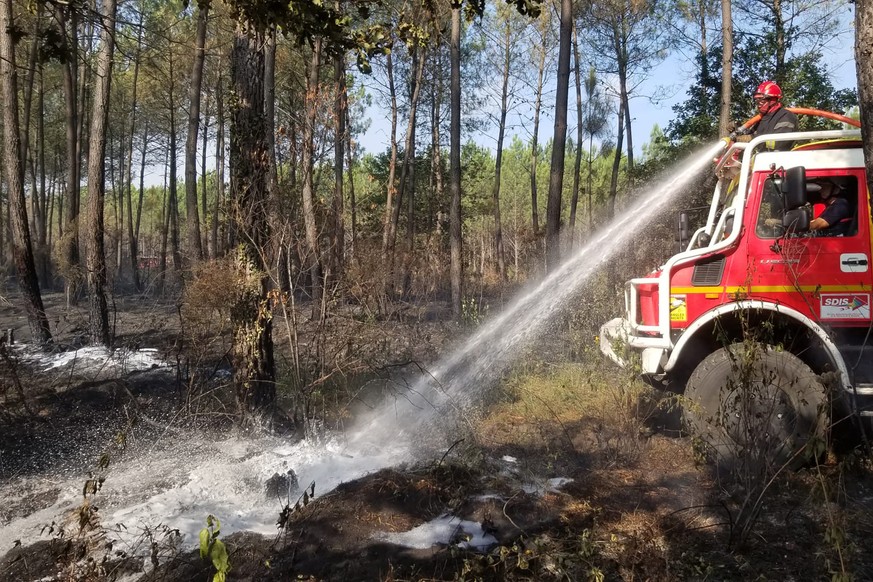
(572, 408)
(209, 297)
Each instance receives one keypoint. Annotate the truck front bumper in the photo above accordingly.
(618, 342)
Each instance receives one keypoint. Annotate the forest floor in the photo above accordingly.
(575, 473)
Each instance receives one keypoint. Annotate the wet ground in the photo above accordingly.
(561, 498)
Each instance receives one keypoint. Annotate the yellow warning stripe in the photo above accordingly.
(733, 290)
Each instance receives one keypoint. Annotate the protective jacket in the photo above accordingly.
(777, 121)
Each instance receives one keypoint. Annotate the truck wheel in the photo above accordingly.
(754, 407)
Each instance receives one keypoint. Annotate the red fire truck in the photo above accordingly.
(764, 325)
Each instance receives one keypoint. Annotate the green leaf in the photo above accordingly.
(219, 556)
(204, 543)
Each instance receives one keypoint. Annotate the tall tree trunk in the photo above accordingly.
(204, 186)
(165, 225)
(29, 83)
(408, 174)
(408, 158)
(5, 233)
(42, 222)
(95, 260)
(559, 143)
(498, 164)
(141, 194)
(590, 91)
(353, 206)
(457, 265)
(173, 199)
(436, 166)
(781, 48)
(864, 71)
(132, 234)
(625, 105)
(340, 104)
(35, 210)
(704, 49)
(68, 17)
(254, 369)
(116, 178)
(22, 251)
(311, 109)
(616, 163)
(534, 148)
(192, 213)
(388, 223)
(278, 216)
(219, 162)
(727, 55)
(580, 137)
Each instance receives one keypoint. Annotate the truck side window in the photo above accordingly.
(842, 193)
(769, 224)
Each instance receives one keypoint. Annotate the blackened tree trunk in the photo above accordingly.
(95, 259)
(22, 251)
(254, 369)
(192, 214)
(559, 143)
(457, 265)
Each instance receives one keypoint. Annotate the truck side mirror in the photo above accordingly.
(682, 230)
(794, 187)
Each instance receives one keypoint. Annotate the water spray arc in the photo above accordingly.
(457, 380)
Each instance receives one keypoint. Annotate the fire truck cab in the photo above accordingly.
(755, 271)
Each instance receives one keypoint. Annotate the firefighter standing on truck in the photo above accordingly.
(774, 117)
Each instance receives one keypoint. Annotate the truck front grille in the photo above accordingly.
(708, 271)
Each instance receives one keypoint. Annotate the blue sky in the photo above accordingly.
(670, 79)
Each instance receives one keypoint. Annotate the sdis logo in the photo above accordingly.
(845, 306)
(837, 301)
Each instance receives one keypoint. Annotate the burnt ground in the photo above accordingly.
(638, 503)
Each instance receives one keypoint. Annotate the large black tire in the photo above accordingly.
(755, 408)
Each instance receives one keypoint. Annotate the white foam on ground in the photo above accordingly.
(97, 362)
(443, 530)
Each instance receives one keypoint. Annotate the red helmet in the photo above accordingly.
(768, 89)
